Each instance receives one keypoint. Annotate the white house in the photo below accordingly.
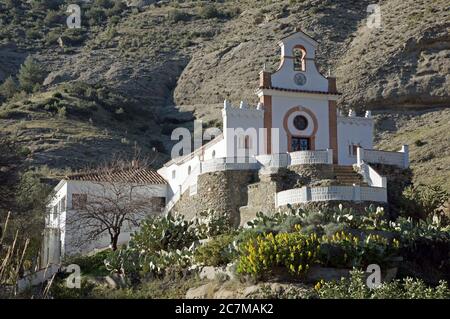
(63, 236)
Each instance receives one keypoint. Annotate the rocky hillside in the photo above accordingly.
(427, 134)
(143, 71)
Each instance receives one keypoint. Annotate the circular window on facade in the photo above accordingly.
(300, 122)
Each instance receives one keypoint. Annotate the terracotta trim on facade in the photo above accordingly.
(289, 135)
(298, 91)
(267, 102)
(332, 85)
(293, 57)
(332, 127)
(265, 79)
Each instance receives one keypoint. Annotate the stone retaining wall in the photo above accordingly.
(224, 191)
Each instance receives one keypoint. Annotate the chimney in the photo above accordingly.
(332, 84)
(265, 80)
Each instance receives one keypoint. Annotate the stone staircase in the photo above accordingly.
(346, 175)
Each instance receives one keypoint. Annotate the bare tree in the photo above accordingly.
(117, 197)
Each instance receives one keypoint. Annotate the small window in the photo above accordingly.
(79, 201)
(353, 149)
(300, 123)
(213, 155)
(174, 174)
(62, 204)
(299, 54)
(189, 170)
(247, 142)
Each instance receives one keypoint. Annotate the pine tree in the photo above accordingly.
(8, 88)
(30, 75)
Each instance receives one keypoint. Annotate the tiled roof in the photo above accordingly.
(131, 175)
(300, 91)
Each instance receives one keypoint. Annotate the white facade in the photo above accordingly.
(353, 132)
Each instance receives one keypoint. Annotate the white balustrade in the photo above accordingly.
(399, 159)
(327, 193)
(229, 163)
(371, 176)
(311, 157)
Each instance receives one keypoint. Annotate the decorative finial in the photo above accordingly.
(226, 104)
(368, 114)
(243, 105)
(351, 113)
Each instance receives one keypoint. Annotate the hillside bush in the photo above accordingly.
(355, 287)
(209, 12)
(421, 201)
(176, 15)
(211, 223)
(164, 233)
(219, 251)
(30, 75)
(163, 245)
(93, 264)
(8, 88)
(294, 252)
(343, 250)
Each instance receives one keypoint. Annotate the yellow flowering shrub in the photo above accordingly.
(294, 251)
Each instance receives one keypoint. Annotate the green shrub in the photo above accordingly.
(136, 264)
(292, 251)
(218, 251)
(209, 12)
(52, 17)
(52, 37)
(344, 250)
(211, 223)
(355, 287)
(94, 264)
(124, 261)
(164, 233)
(421, 201)
(8, 88)
(419, 143)
(31, 74)
(59, 289)
(96, 16)
(178, 15)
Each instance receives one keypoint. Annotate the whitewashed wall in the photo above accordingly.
(318, 106)
(68, 235)
(190, 163)
(283, 77)
(353, 131)
(239, 122)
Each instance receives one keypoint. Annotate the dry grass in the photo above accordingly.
(12, 257)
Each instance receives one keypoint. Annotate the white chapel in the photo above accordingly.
(295, 122)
